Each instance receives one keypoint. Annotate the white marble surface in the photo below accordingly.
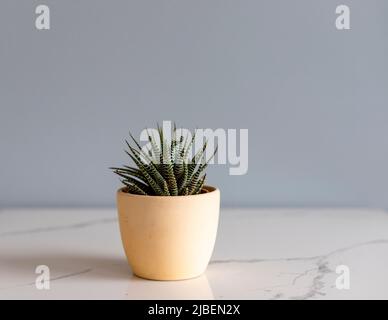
(259, 254)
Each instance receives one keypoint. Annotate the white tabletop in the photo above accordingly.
(259, 254)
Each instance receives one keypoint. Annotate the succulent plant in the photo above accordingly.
(166, 168)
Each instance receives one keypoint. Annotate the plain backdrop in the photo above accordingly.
(315, 99)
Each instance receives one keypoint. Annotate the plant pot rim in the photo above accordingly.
(210, 190)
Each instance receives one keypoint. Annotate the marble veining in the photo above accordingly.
(57, 228)
(321, 268)
(260, 254)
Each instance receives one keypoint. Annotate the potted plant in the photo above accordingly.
(168, 217)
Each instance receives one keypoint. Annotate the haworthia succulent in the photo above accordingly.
(132, 188)
(164, 168)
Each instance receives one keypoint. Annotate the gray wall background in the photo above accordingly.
(313, 98)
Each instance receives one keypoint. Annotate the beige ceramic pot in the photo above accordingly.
(168, 238)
